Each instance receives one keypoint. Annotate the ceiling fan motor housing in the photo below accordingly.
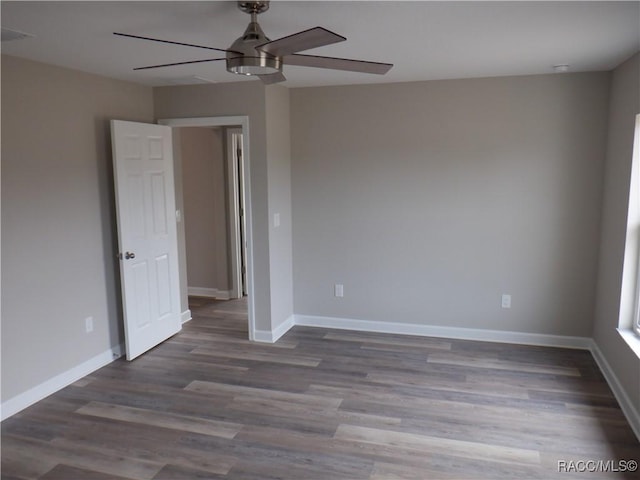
(243, 57)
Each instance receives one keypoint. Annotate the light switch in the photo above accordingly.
(506, 301)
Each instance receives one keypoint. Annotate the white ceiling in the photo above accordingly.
(425, 40)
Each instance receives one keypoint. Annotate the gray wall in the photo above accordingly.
(58, 236)
(205, 207)
(280, 239)
(429, 200)
(625, 105)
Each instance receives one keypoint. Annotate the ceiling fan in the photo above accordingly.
(255, 54)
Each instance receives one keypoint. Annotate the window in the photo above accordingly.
(634, 218)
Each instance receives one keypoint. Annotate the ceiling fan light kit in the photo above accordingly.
(262, 65)
(254, 54)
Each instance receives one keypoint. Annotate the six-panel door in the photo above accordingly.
(144, 185)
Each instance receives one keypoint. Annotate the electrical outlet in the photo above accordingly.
(88, 324)
(506, 300)
(338, 290)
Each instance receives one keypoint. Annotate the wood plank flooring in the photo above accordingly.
(326, 405)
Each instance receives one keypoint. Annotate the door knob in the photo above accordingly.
(129, 255)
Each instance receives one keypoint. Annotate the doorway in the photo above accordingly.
(239, 195)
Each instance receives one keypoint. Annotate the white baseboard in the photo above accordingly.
(265, 336)
(209, 293)
(626, 405)
(185, 316)
(37, 393)
(500, 336)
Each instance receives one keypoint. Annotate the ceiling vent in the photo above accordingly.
(192, 80)
(11, 35)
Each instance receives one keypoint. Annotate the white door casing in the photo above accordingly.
(147, 235)
(243, 122)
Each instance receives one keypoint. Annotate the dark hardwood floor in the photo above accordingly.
(324, 404)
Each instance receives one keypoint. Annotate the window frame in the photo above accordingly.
(635, 164)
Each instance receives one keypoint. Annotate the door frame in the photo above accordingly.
(235, 214)
(243, 122)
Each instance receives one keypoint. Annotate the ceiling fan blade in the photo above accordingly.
(314, 37)
(171, 42)
(338, 64)
(272, 78)
(179, 63)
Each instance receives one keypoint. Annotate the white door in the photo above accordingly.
(145, 200)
